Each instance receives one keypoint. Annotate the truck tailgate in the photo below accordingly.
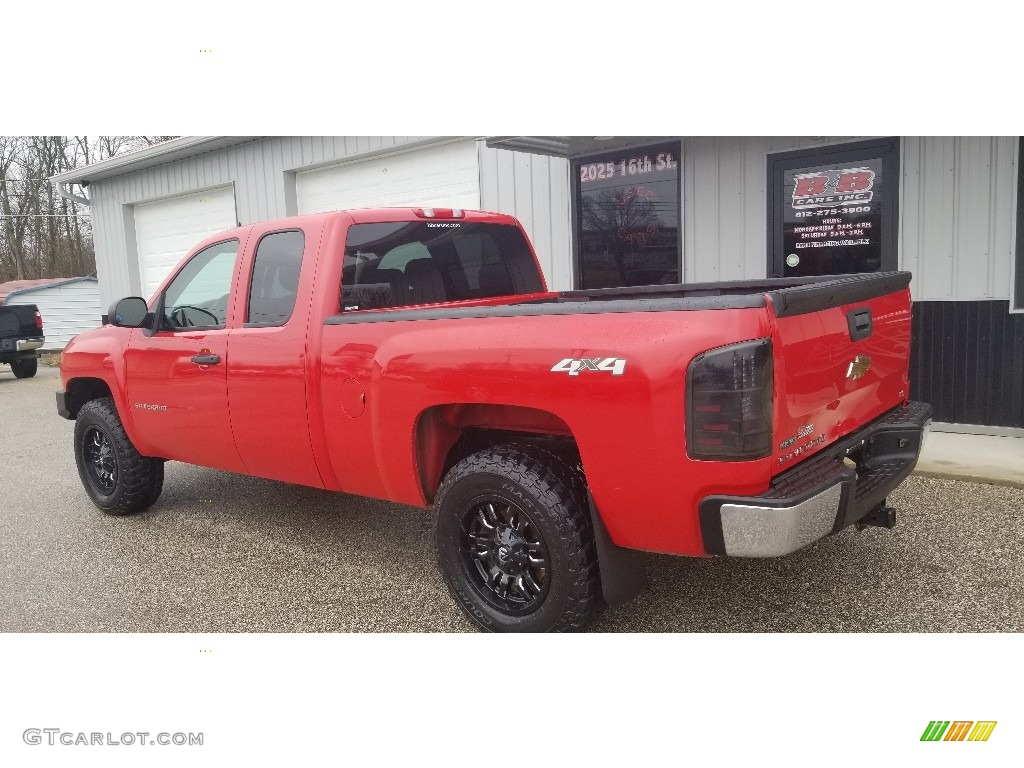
(18, 320)
(841, 354)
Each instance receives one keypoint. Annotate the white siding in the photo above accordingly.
(534, 189)
(262, 171)
(67, 309)
(957, 216)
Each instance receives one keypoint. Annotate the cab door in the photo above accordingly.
(177, 376)
(268, 369)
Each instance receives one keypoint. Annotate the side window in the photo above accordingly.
(198, 296)
(275, 278)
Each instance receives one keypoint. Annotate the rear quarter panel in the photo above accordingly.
(630, 428)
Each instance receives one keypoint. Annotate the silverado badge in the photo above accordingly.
(858, 367)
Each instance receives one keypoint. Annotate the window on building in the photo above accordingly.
(833, 210)
(197, 297)
(398, 264)
(626, 212)
(275, 278)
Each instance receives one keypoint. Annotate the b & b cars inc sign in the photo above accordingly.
(833, 219)
(824, 189)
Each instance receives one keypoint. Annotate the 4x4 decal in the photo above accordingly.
(616, 365)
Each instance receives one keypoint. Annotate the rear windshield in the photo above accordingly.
(398, 264)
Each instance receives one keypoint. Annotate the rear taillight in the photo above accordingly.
(729, 402)
(39, 320)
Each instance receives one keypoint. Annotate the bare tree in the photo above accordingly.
(15, 204)
(43, 234)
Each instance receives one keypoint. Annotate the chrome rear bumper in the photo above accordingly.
(822, 494)
(757, 531)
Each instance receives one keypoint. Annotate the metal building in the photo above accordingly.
(606, 211)
(68, 305)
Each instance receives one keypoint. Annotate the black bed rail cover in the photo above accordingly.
(835, 291)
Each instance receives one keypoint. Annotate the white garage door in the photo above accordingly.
(168, 229)
(443, 176)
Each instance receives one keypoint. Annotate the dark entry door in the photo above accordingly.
(834, 210)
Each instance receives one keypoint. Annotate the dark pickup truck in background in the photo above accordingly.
(21, 336)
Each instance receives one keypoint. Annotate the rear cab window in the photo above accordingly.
(399, 264)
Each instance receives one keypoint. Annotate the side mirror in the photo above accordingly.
(130, 312)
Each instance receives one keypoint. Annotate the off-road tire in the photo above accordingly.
(25, 369)
(139, 479)
(552, 494)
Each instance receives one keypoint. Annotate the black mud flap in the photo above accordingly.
(623, 571)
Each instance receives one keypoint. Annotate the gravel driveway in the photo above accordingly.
(225, 553)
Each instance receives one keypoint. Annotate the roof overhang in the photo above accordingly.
(165, 152)
(572, 147)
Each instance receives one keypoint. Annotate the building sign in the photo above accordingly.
(826, 189)
(638, 165)
(627, 218)
(830, 218)
(833, 219)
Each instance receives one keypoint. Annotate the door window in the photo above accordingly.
(832, 210)
(275, 278)
(198, 295)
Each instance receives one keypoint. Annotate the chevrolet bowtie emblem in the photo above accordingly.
(858, 367)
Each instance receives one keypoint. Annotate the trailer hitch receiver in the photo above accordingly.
(882, 516)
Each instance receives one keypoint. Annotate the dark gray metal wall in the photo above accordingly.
(967, 360)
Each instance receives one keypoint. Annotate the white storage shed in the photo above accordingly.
(69, 305)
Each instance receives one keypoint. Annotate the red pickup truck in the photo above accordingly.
(416, 355)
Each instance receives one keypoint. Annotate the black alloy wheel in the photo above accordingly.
(515, 541)
(118, 479)
(100, 460)
(506, 559)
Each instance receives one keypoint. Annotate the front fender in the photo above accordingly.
(99, 355)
